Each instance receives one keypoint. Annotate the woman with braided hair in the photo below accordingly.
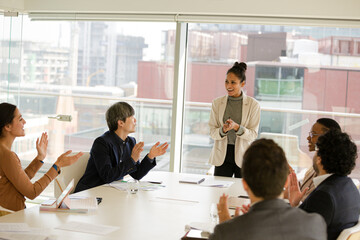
(234, 123)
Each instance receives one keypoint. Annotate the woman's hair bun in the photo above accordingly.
(241, 64)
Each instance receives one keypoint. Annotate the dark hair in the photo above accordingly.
(265, 168)
(7, 111)
(239, 70)
(328, 123)
(337, 151)
(118, 111)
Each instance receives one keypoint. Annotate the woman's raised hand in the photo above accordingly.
(41, 146)
(66, 160)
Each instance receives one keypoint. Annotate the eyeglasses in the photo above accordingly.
(311, 134)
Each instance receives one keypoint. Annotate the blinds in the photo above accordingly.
(199, 18)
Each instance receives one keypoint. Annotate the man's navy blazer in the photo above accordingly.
(336, 199)
(110, 160)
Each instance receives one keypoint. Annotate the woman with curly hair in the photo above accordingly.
(335, 196)
(234, 124)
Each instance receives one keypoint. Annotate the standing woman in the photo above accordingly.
(15, 182)
(234, 124)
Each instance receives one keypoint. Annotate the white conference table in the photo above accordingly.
(145, 215)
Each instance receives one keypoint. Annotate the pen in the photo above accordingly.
(155, 182)
(243, 196)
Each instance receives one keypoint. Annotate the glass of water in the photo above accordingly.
(214, 213)
(132, 186)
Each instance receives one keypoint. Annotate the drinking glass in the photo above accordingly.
(132, 186)
(214, 213)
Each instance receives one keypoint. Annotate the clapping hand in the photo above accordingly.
(295, 195)
(41, 146)
(65, 160)
(138, 148)
(230, 124)
(223, 209)
(157, 150)
(244, 209)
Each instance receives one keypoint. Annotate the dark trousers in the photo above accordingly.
(229, 167)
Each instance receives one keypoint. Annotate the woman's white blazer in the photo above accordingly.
(250, 120)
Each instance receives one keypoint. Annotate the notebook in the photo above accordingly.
(235, 202)
(192, 180)
(72, 204)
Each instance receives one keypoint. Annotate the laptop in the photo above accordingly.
(66, 202)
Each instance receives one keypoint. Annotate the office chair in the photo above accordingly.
(352, 233)
(74, 171)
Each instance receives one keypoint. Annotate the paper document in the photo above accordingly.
(88, 228)
(144, 186)
(82, 203)
(216, 183)
(22, 236)
(175, 201)
(235, 202)
(14, 227)
(203, 226)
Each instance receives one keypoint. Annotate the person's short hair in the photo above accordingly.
(118, 111)
(337, 151)
(239, 70)
(328, 123)
(265, 168)
(7, 111)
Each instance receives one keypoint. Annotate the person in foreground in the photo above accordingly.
(265, 170)
(319, 128)
(115, 154)
(15, 182)
(234, 123)
(335, 196)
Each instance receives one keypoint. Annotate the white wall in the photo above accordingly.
(333, 9)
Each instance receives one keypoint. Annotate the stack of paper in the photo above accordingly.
(88, 228)
(144, 186)
(19, 231)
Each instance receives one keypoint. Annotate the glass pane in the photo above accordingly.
(81, 68)
(10, 54)
(298, 74)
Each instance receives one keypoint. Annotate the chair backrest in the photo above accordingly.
(354, 236)
(352, 233)
(74, 171)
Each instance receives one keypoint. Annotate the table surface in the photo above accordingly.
(145, 215)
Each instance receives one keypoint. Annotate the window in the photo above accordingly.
(293, 72)
(80, 69)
